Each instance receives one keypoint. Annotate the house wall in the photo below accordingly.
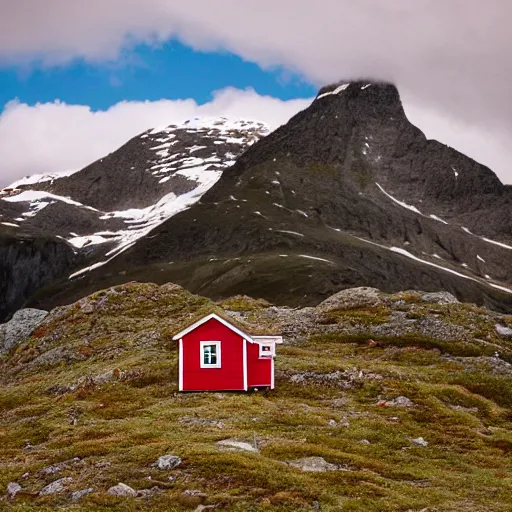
(230, 376)
(259, 369)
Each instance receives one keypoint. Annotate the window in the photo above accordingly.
(210, 354)
(266, 350)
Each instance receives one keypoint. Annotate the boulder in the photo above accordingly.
(55, 487)
(353, 298)
(57, 468)
(503, 330)
(149, 493)
(21, 325)
(168, 462)
(13, 488)
(314, 464)
(78, 495)
(439, 298)
(399, 401)
(122, 490)
(419, 441)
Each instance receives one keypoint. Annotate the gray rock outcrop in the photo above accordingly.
(234, 445)
(78, 495)
(353, 298)
(55, 487)
(13, 488)
(503, 331)
(122, 490)
(168, 462)
(439, 298)
(21, 325)
(315, 465)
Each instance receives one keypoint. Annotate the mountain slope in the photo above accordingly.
(121, 197)
(106, 207)
(348, 193)
(91, 397)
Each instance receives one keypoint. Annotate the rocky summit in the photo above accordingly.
(383, 402)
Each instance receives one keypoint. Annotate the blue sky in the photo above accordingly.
(170, 70)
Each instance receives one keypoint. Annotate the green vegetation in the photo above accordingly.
(98, 381)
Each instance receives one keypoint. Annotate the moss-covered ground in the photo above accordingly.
(97, 381)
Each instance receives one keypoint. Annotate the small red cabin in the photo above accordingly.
(215, 355)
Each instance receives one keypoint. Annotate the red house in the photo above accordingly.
(215, 355)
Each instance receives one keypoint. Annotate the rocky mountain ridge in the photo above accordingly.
(347, 193)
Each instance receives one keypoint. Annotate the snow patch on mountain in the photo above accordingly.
(200, 160)
(501, 244)
(338, 90)
(40, 178)
(397, 201)
(35, 197)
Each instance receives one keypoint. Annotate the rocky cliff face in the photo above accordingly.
(26, 264)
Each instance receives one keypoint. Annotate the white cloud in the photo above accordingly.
(54, 137)
(449, 57)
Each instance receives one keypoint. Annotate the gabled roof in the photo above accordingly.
(271, 337)
(211, 316)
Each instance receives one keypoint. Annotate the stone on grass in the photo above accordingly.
(503, 330)
(234, 445)
(13, 488)
(149, 493)
(55, 487)
(419, 441)
(168, 462)
(399, 401)
(122, 490)
(195, 493)
(314, 464)
(338, 402)
(59, 466)
(439, 298)
(364, 441)
(78, 495)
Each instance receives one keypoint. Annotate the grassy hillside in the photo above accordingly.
(92, 396)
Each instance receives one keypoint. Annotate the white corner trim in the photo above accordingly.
(180, 366)
(244, 362)
(205, 319)
(202, 364)
(272, 374)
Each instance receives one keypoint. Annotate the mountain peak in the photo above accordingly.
(220, 124)
(365, 100)
(361, 88)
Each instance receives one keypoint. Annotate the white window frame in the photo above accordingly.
(264, 353)
(203, 344)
